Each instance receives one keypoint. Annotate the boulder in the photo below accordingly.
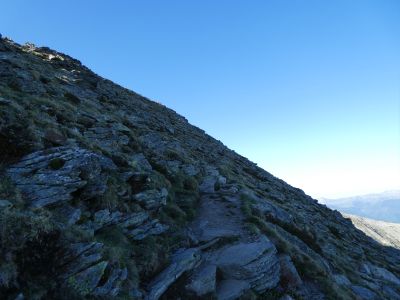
(20, 296)
(67, 215)
(112, 286)
(152, 199)
(364, 268)
(203, 280)
(133, 220)
(50, 176)
(151, 227)
(254, 262)
(5, 101)
(5, 204)
(54, 137)
(212, 180)
(341, 279)
(231, 289)
(286, 297)
(107, 138)
(182, 261)
(229, 189)
(383, 274)
(190, 170)
(390, 293)
(272, 211)
(137, 225)
(268, 209)
(104, 218)
(86, 281)
(82, 268)
(141, 163)
(208, 185)
(363, 293)
(78, 257)
(136, 294)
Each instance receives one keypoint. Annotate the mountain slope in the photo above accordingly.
(106, 194)
(384, 232)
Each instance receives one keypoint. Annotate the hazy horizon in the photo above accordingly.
(376, 195)
(310, 91)
(380, 206)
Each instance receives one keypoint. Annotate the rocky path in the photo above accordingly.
(241, 260)
(218, 217)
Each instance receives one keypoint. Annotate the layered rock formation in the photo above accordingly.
(105, 194)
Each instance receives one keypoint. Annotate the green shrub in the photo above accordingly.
(17, 228)
(118, 250)
(8, 273)
(246, 202)
(110, 198)
(191, 184)
(175, 213)
(28, 241)
(172, 154)
(307, 266)
(71, 97)
(272, 233)
(252, 228)
(272, 294)
(8, 189)
(226, 171)
(151, 256)
(304, 234)
(335, 231)
(56, 163)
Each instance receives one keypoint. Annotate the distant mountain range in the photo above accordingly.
(381, 206)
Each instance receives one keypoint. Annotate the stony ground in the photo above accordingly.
(105, 194)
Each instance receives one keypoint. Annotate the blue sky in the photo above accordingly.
(310, 90)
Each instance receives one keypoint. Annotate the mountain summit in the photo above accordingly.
(108, 195)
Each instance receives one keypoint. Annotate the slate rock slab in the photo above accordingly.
(50, 176)
(255, 262)
(183, 260)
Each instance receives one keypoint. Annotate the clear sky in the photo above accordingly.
(310, 90)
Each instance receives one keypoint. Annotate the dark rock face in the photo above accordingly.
(106, 194)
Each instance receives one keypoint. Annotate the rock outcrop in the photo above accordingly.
(51, 176)
(105, 194)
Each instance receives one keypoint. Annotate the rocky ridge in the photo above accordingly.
(106, 194)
